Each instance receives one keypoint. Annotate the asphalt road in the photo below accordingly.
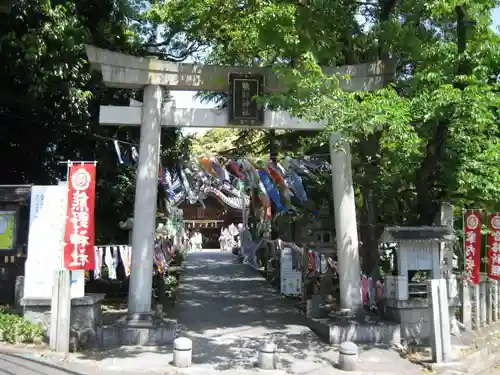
(35, 364)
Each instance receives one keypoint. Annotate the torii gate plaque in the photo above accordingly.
(243, 111)
(125, 71)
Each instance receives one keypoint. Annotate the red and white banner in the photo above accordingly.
(79, 236)
(494, 246)
(473, 223)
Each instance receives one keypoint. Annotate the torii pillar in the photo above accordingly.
(125, 71)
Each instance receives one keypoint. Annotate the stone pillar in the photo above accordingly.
(146, 189)
(493, 299)
(497, 301)
(60, 312)
(476, 304)
(466, 304)
(440, 321)
(345, 224)
(490, 298)
(451, 279)
(482, 303)
(445, 218)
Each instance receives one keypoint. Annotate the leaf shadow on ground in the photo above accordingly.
(228, 311)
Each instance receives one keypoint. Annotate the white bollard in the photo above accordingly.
(267, 356)
(348, 356)
(183, 352)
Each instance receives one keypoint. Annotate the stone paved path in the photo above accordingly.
(228, 310)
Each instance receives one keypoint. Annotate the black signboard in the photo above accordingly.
(243, 110)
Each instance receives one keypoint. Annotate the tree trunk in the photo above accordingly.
(370, 147)
(369, 230)
(428, 175)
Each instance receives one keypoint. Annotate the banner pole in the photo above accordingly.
(61, 290)
(65, 213)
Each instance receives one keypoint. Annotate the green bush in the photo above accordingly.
(15, 329)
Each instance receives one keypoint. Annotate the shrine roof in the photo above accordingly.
(424, 233)
(14, 193)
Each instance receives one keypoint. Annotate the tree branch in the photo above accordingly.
(192, 48)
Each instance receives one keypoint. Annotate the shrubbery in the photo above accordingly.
(16, 329)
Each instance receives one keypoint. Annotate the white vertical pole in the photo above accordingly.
(60, 304)
(146, 189)
(436, 337)
(444, 314)
(345, 224)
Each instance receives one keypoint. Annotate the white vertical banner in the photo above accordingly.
(47, 212)
(44, 240)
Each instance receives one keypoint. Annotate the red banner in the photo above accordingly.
(494, 246)
(472, 246)
(79, 236)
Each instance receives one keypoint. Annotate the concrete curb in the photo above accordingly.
(40, 350)
(476, 362)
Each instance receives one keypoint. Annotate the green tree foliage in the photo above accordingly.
(49, 98)
(432, 135)
(213, 142)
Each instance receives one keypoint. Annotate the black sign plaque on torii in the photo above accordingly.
(243, 110)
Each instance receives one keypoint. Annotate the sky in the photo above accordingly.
(496, 18)
(186, 99)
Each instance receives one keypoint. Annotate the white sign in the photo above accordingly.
(47, 214)
(291, 279)
(77, 283)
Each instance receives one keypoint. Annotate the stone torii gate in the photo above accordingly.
(126, 71)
